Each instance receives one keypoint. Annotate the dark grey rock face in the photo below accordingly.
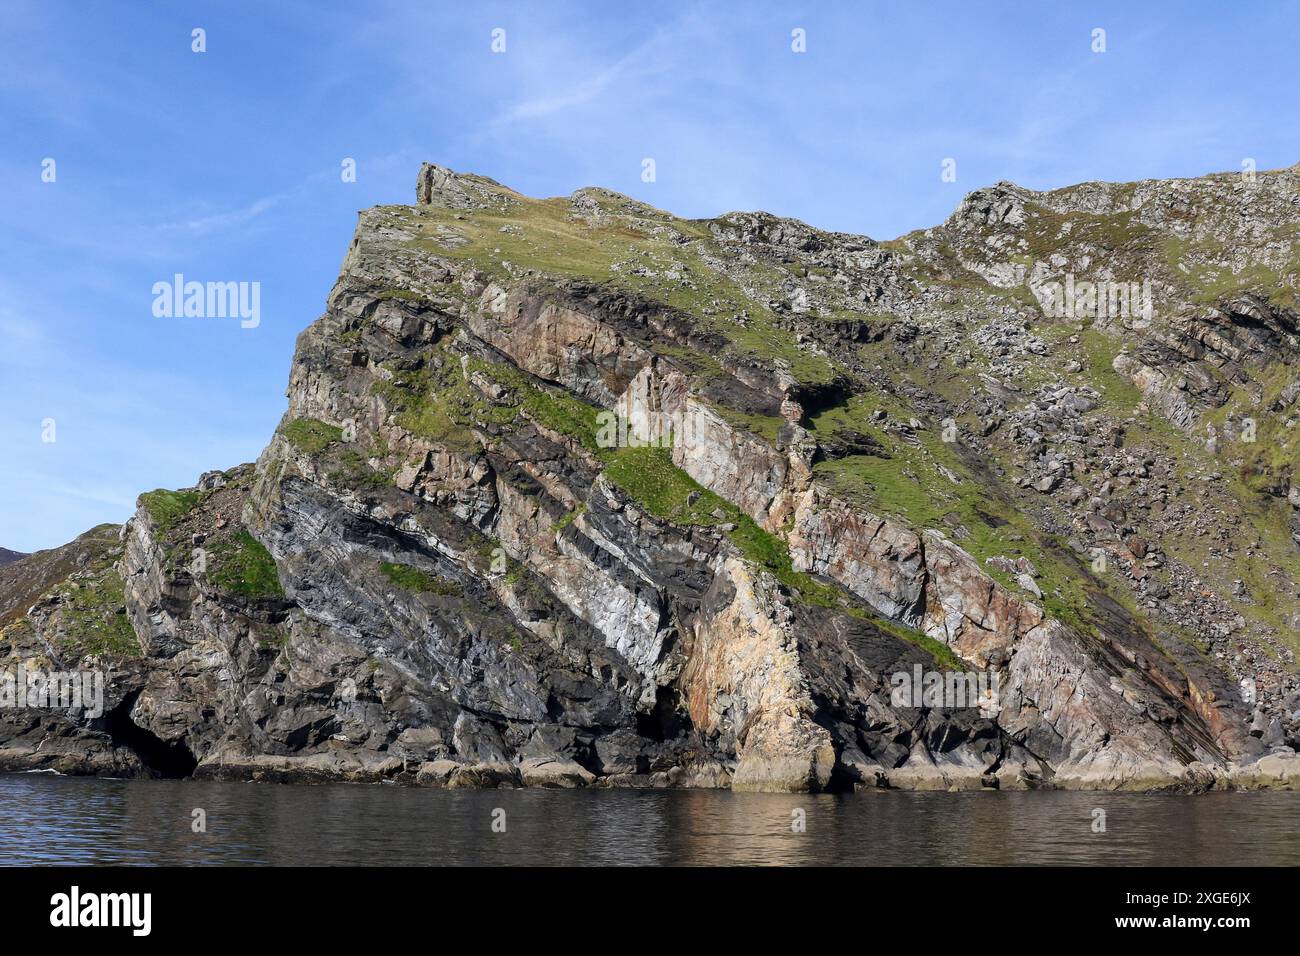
(883, 461)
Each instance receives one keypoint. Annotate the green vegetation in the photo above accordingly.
(767, 427)
(902, 478)
(541, 236)
(418, 582)
(551, 408)
(569, 517)
(649, 476)
(1204, 268)
(562, 413)
(515, 571)
(1267, 463)
(310, 435)
(405, 295)
(95, 621)
(354, 471)
(169, 508)
(699, 364)
(241, 565)
(1046, 232)
(678, 272)
(1119, 396)
(437, 403)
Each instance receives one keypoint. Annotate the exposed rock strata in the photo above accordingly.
(438, 574)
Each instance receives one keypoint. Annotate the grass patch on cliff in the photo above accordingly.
(941, 652)
(242, 566)
(649, 476)
(311, 435)
(1045, 231)
(564, 414)
(667, 261)
(1203, 268)
(555, 410)
(418, 582)
(353, 471)
(405, 295)
(767, 427)
(420, 401)
(701, 365)
(94, 616)
(905, 476)
(892, 485)
(169, 508)
(1119, 396)
(569, 517)
(435, 402)
(538, 234)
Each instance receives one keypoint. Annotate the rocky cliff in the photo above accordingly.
(575, 492)
(9, 557)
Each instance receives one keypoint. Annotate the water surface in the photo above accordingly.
(48, 819)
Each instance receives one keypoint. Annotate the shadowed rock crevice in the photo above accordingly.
(160, 758)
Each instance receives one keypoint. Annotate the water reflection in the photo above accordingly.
(49, 819)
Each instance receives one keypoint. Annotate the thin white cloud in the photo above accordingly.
(584, 92)
(224, 220)
(116, 498)
(655, 60)
(242, 215)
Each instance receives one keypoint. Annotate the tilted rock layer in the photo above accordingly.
(572, 492)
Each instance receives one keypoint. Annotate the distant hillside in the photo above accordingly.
(22, 584)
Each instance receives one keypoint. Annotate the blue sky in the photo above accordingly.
(225, 165)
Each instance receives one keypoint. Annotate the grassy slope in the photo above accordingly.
(541, 235)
